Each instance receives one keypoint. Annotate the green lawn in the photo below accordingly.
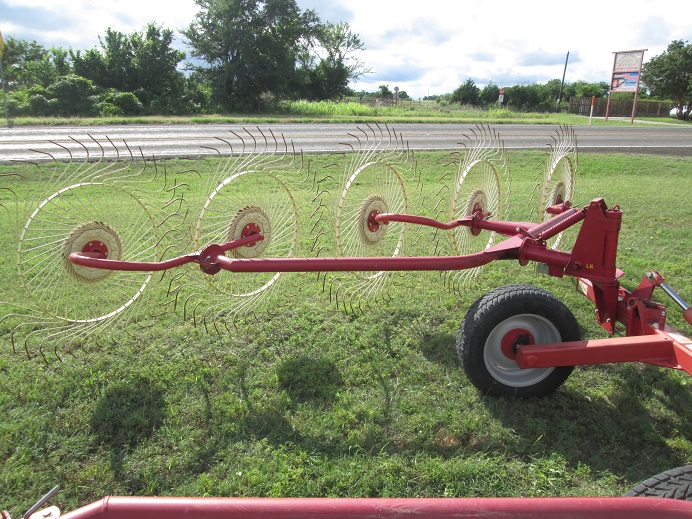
(302, 398)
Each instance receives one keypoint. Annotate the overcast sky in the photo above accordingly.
(426, 47)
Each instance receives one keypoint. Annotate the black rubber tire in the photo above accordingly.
(672, 484)
(502, 307)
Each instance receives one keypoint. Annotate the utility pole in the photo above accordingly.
(562, 85)
(2, 77)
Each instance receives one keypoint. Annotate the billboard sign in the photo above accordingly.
(626, 69)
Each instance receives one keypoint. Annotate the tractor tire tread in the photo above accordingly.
(672, 484)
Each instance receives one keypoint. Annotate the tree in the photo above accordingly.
(584, 89)
(71, 95)
(143, 63)
(29, 63)
(90, 65)
(384, 92)
(489, 95)
(159, 82)
(337, 65)
(250, 47)
(466, 94)
(669, 76)
(523, 98)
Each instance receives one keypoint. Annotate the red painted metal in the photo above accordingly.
(87, 260)
(373, 224)
(513, 339)
(386, 218)
(653, 349)
(250, 229)
(385, 263)
(97, 249)
(380, 508)
(592, 262)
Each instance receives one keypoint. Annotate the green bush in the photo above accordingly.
(128, 103)
(73, 95)
(106, 109)
(39, 105)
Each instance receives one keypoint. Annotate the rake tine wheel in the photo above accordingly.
(375, 181)
(250, 192)
(480, 187)
(102, 208)
(558, 177)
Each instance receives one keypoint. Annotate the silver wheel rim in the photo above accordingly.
(504, 369)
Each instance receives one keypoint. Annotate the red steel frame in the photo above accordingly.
(592, 261)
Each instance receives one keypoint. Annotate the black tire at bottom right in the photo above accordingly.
(672, 484)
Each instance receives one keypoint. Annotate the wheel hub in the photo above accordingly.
(372, 230)
(249, 221)
(513, 339)
(98, 240)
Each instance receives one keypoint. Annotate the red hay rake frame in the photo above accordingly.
(592, 262)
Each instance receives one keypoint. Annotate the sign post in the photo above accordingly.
(501, 98)
(593, 100)
(627, 67)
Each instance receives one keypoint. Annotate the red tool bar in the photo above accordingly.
(358, 264)
(80, 258)
(659, 350)
(86, 259)
(378, 508)
(474, 222)
(385, 218)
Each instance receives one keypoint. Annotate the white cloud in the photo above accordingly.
(423, 47)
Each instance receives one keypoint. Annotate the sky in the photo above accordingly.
(426, 47)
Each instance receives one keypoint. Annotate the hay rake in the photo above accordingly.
(122, 210)
(85, 262)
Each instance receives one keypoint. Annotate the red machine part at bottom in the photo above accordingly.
(379, 508)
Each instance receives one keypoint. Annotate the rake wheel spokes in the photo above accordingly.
(249, 202)
(478, 189)
(371, 190)
(86, 217)
(558, 178)
(375, 181)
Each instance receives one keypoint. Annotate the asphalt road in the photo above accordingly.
(195, 140)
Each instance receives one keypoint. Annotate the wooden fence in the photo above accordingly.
(618, 107)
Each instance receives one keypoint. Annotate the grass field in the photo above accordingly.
(346, 112)
(310, 400)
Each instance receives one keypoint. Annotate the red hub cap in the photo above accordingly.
(251, 229)
(477, 211)
(514, 338)
(96, 249)
(373, 226)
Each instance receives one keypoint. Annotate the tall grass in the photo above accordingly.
(330, 111)
(309, 400)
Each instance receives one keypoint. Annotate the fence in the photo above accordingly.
(618, 107)
(391, 102)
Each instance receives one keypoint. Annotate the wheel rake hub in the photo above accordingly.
(249, 221)
(96, 239)
(371, 230)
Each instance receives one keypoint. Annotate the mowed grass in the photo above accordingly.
(309, 400)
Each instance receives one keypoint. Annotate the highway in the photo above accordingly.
(197, 140)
